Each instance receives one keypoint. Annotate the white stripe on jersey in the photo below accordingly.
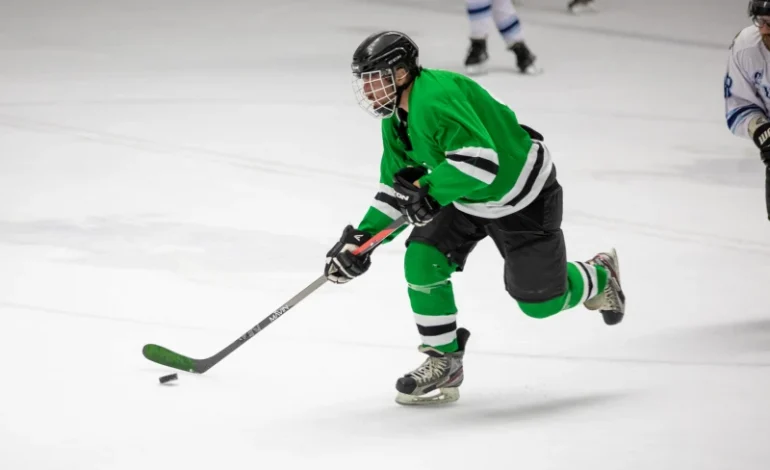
(384, 207)
(485, 173)
(501, 208)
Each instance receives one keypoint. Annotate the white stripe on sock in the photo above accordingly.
(584, 295)
(434, 320)
(590, 290)
(440, 340)
(594, 280)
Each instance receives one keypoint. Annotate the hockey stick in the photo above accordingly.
(170, 358)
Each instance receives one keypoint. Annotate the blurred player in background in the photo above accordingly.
(482, 15)
(747, 88)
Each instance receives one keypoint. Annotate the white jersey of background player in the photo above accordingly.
(747, 85)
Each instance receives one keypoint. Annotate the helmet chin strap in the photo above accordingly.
(400, 90)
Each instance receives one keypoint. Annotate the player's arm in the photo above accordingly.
(470, 164)
(744, 109)
(341, 265)
(384, 208)
(746, 115)
(471, 161)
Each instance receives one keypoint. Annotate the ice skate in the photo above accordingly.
(577, 7)
(525, 59)
(611, 302)
(476, 60)
(441, 373)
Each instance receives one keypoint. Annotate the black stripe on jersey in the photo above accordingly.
(387, 199)
(483, 163)
(588, 277)
(437, 329)
(532, 176)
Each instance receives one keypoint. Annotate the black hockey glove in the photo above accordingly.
(415, 203)
(762, 139)
(341, 264)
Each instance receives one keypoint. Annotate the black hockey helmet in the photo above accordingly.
(375, 64)
(386, 50)
(759, 8)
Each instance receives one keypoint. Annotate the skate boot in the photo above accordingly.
(476, 60)
(525, 59)
(581, 6)
(440, 371)
(611, 302)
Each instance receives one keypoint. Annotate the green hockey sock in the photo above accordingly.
(583, 282)
(428, 273)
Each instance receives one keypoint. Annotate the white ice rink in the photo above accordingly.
(172, 171)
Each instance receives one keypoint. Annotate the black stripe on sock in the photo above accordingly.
(437, 329)
(532, 176)
(588, 277)
(478, 162)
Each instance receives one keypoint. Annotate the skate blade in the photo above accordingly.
(445, 395)
(584, 9)
(479, 69)
(532, 70)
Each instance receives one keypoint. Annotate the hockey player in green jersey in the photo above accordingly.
(458, 165)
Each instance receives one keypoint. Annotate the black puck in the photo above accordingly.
(167, 378)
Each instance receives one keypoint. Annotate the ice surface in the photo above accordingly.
(172, 171)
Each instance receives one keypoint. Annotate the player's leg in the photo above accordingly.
(434, 252)
(480, 18)
(611, 301)
(508, 23)
(767, 189)
(537, 273)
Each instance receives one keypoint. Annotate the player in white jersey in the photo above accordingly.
(747, 85)
(482, 14)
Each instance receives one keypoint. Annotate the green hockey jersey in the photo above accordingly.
(478, 156)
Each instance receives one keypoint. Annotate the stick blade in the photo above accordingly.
(169, 358)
